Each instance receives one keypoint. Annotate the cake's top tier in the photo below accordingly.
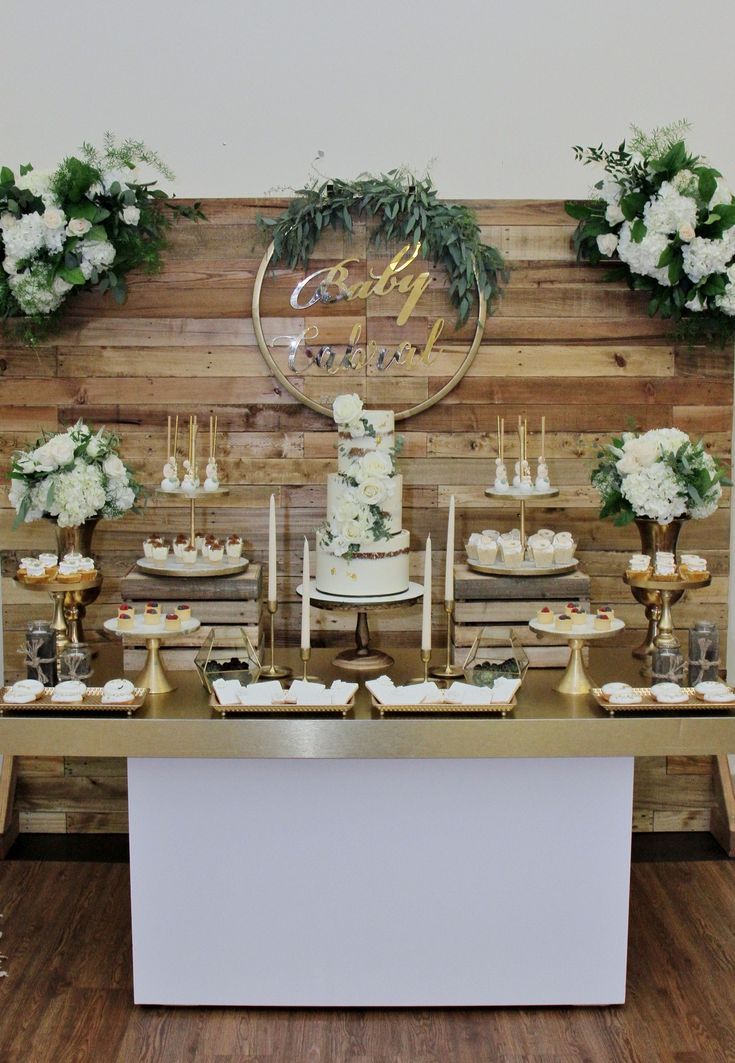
(361, 431)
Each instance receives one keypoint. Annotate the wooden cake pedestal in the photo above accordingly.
(364, 658)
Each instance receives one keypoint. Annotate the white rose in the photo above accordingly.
(93, 447)
(53, 218)
(614, 214)
(686, 232)
(722, 193)
(112, 466)
(695, 304)
(26, 464)
(339, 545)
(607, 243)
(78, 227)
(8, 220)
(60, 286)
(376, 464)
(372, 491)
(352, 531)
(131, 215)
(346, 509)
(346, 408)
(58, 452)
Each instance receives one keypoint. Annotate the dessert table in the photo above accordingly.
(414, 861)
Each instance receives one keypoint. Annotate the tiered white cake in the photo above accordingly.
(361, 549)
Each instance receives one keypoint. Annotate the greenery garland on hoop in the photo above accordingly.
(407, 208)
(670, 218)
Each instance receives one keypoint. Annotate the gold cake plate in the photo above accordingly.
(280, 710)
(91, 702)
(526, 568)
(500, 708)
(172, 566)
(649, 704)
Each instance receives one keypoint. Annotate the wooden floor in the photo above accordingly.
(68, 994)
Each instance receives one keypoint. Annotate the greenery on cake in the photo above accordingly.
(81, 227)
(668, 217)
(405, 207)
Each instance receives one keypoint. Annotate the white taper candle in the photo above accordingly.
(449, 572)
(426, 604)
(305, 601)
(272, 559)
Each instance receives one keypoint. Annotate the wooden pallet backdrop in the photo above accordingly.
(563, 342)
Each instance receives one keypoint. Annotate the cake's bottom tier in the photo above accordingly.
(378, 569)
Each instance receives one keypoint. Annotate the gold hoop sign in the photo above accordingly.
(381, 325)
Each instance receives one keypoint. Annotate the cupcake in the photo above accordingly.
(487, 550)
(602, 622)
(189, 555)
(172, 622)
(49, 561)
(87, 570)
(155, 606)
(472, 544)
(160, 551)
(545, 616)
(490, 533)
(67, 573)
(72, 558)
(216, 551)
(126, 621)
(564, 547)
(233, 547)
(563, 622)
(542, 551)
(151, 618)
(148, 545)
(124, 607)
(545, 533)
(183, 612)
(579, 617)
(179, 545)
(665, 565)
(693, 567)
(36, 573)
(606, 610)
(199, 538)
(639, 565)
(513, 554)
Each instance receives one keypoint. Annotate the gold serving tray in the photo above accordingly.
(92, 703)
(526, 568)
(649, 704)
(279, 710)
(498, 709)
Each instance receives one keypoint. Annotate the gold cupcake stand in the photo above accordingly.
(70, 605)
(153, 675)
(575, 679)
(658, 595)
(524, 497)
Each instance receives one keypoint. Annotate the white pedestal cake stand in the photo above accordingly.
(575, 679)
(364, 657)
(153, 675)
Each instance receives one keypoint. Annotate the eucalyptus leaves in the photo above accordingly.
(406, 208)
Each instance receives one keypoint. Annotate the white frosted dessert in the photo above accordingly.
(361, 549)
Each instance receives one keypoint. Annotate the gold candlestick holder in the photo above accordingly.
(448, 670)
(305, 655)
(425, 659)
(274, 671)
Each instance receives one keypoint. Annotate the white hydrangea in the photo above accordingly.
(79, 494)
(96, 254)
(702, 257)
(38, 183)
(24, 236)
(119, 496)
(685, 182)
(654, 492)
(668, 210)
(643, 257)
(121, 175)
(726, 301)
(34, 289)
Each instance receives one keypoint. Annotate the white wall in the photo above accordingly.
(240, 96)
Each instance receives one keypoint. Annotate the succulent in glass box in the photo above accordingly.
(225, 654)
(496, 652)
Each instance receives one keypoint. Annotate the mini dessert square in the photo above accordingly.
(563, 622)
(172, 622)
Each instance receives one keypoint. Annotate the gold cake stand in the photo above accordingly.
(523, 497)
(153, 675)
(363, 658)
(575, 679)
(70, 605)
(664, 593)
(192, 497)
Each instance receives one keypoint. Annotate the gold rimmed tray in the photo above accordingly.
(92, 702)
(56, 586)
(649, 704)
(497, 709)
(279, 710)
(526, 568)
(651, 583)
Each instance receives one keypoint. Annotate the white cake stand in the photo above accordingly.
(575, 679)
(364, 657)
(153, 675)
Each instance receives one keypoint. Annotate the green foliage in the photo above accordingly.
(406, 208)
(73, 179)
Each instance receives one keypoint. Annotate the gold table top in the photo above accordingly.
(545, 723)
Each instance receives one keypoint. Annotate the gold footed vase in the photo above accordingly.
(71, 606)
(655, 537)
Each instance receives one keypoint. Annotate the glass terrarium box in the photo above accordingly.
(227, 654)
(496, 652)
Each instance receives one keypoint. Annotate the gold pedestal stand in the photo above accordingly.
(273, 670)
(575, 679)
(661, 594)
(153, 675)
(447, 670)
(70, 604)
(192, 497)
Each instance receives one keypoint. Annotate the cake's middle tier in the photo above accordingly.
(351, 450)
(392, 504)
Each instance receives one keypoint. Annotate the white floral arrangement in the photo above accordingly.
(660, 474)
(358, 516)
(72, 477)
(82, 226)
(670, 218)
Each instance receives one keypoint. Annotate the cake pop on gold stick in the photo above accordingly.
(170, 481)
(211, 482)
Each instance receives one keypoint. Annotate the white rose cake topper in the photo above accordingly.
(361, 549)
(670, 217)
(72, 477)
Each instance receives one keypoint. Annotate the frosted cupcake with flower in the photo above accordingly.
(660, 475)
(72, 477)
